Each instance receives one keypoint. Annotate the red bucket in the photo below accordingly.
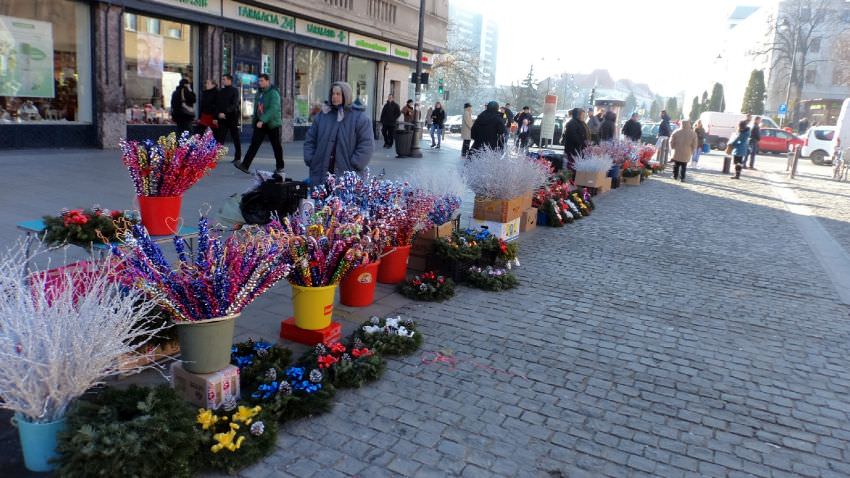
(393, 267)
(358, 287)
(160, 215)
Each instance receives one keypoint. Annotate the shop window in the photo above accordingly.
(312, 83)
(154, 65)
(839, 77)
(175, 32)
(814, 46)
(45, 62)
(362, 76)
(811, 76)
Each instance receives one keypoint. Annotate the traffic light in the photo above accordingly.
(440, 88)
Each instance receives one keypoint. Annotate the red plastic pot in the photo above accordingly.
(160, 215)
(357, 289)
(393, 268)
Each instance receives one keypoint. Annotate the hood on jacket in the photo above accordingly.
(347, 96)
(611, 116)
(575, 113)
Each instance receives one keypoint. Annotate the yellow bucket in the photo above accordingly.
(313, 306)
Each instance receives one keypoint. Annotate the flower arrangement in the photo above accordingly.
(60, 338)
(447, 189)
(645, 153)
(235, 438)
(460, 247)
(580, 203)
(491, 278)
(427, 287)
(494, 174)
(389, 336)
(632, 172)
(133, 432)
(619, 151)
(593, 162)
(170, 166)
(656, 167)
(346, 366)
(222, 279)
(83, 227)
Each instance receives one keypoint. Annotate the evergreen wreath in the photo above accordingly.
(428, 287)
(345, 367)
(491, 278)
(82, 227)
(134, 432)
(389, 336)
(460, 247)
(632, 172)
(236, 438)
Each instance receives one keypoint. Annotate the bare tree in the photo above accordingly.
(458, 67)
(841, 55)
(793, 36)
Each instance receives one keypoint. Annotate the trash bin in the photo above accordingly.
(727, 164)
(403, 142)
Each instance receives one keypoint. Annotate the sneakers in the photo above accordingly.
(279, 171)
(433, 145)
(241, 167)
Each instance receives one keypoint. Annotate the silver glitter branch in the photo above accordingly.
(56, 343)
(593, 163)
(494, 174)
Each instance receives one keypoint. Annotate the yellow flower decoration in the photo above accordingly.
(227, 440)
(207, 419)
(245, 414)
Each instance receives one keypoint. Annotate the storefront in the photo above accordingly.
(312, 83)
(45, 74)
(363, 76)
(246, 57)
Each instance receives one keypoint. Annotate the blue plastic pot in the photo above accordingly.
(38, 442)
(614, 172)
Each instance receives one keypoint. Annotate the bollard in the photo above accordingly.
(794, 160)
(727, 164)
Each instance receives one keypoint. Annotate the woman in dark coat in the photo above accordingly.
(609, 127)
(209, 96)
(489, 129)
(576, 136)
(183, 106)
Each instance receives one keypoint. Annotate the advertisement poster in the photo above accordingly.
(149, 55)
(26, 58)
(547, 128)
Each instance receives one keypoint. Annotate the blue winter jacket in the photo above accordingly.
(354, 140)
(741, 143)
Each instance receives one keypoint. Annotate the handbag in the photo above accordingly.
(189, 110)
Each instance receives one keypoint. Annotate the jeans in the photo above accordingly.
(439, 130)
(695, 157)
(754, 150)
(387, 130)
(257, 140)
(677, 166)
(225, 126)
(464, 150)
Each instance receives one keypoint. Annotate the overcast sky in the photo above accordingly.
(669, 44)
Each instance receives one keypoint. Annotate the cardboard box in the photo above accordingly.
(422, 246)
(632, 181)
(528, 221)
(149, 354)
(501, 210)
(209, 390)
(437, 232)
(604, 186)
(590, 180)
(503, 230)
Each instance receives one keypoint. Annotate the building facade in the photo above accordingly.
(473, 31)
(77, 73)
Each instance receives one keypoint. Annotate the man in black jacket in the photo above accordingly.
(632, 128)
(755, 136)
(523, 130)
(183, 106)
(389, 117)
(489, 129)
(576, 136)
(227, 114)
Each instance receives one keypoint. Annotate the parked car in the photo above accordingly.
(819, 144)
(649, 131)
(721, 126)
(534, 130)
(453, 123)
(778, 141)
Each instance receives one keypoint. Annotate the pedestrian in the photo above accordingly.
(802, 126)
(207, 119)
(488, 130)
(466, 129)
(438, 119)
(408, 112)
(609, 127)
(594, 123)
(683, 143)
(632, 128)
(227, 107)
(700, 131)
(340, 138)
(509, 121)
(523, 120)
(664, 132)
(740, 147)
(389, 117)
(266, 120)
(183, 106)
(428, 118)
(576, 136)
(755, 136)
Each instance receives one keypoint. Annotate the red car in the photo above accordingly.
(774, 140)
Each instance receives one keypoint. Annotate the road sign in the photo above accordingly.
(783, 109)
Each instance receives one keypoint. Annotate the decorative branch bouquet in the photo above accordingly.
(82, 227)
(494, 174)
(170, 166)
(619, 151)
(446, 187)
(222, 279)
(593, 163)
(60, 338)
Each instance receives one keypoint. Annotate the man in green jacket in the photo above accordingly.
(266, 123)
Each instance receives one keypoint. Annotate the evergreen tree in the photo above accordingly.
(703, 102)
(754, 94)
(631, 105)
(718, 100)
(695, 109)
(526, 94)
(672, 108)
(655, 109)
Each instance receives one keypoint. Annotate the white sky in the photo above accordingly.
(668, 44)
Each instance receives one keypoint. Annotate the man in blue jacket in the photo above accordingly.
(340, 138)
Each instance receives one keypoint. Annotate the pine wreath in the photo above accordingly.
(389, 336)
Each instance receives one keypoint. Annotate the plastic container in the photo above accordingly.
(160, 215)
(357, 289)
(393, 267)
(205, 344)
(38, 442)
(313, 306)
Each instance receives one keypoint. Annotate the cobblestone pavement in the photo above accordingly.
(681, 330)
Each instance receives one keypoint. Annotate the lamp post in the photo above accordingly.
(415, 151)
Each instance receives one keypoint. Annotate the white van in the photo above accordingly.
(842, 127)
(720, 127)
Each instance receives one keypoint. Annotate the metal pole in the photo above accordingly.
(793, 61)
(415, 151)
